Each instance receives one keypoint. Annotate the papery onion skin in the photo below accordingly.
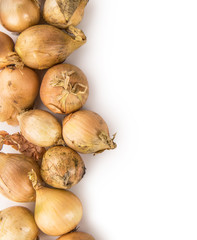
(17, 223)
(76, 236)
(56, 211)
(43, 46)
(63, 13)
(86, 132)
(6, 43)
(14, 181)
(62, 167)
(64, 88)
(19, 89)
(40, 127)
(18, 15)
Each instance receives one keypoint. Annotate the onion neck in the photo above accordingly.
(34, 179)
(12, 60)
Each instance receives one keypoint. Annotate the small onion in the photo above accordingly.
(43, 46)
(40, 128)
(64, 89)
(76, 236)
(63, 13)
(19, 89)
(17, 223)
(62, 167)
(86, 132)
(14, 181)
(18, 15)
(7, 56)
(57, 211)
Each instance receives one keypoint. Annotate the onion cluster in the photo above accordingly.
(50, 163)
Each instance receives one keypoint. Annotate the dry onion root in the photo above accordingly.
(62, 167)
(86, 132)
(19, 89)
(43, 46)
(63, 13)
(64, 88)
(76, 236)
(7, 56)
(17, 223)
(16, 16)
(57, 211)
(40, 128)
(14, 181)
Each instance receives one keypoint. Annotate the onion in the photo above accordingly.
(63, 13)
(86, 132)
(62, 167)
(43, 46)
(40, 128)
(7, 56)
(64, 89)
(57, 211)
(76, 236)
(18, 15)
(17, 223)
(14, 181)
(19, 89)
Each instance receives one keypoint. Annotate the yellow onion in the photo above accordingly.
(18, 15)
(7, 56)
(86, 132)
(14, 181)
(43, 46)
(64, 88)
(76, 236)
(18, 89)
(57, 211)
(62, 167)
(40, 128)
(17, 223)
(63, 13)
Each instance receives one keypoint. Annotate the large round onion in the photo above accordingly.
(64, 88)
(43, 46)
(18, 89)
(17, 15)
(17, 223)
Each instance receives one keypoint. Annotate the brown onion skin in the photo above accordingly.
(43, 46)
(15, 183)
(52, 96)
(18, 15)
(7, 45)
(76, 236)
(86, 132)
(62, 167)
(19, 89)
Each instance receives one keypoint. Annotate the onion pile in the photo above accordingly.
(43, 46)
(14, 181)
(18, 15)
(17, 223)
(63, 13)
(19, 89)
(64, 88)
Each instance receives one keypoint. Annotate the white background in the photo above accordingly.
(141, 63)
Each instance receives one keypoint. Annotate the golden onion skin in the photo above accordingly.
(17, 223)
(63, 13)
(40, 127)
(86, 132)
(14, 181)
(43, 46)
(76, 236)
(18, 15)
(64, 88)
(19, 89)
(62, 167)
(7, 45)
(57, 211)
